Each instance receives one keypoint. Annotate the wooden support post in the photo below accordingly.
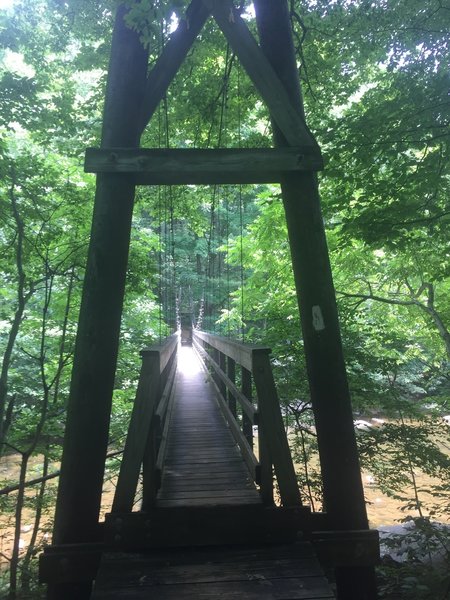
(231, 372)
(137, 445)
(330, 396)
(246, 387)
(86, 436)
(271, 430)
(223, 366)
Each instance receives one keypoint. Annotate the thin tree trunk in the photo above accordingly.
(14, 564)
(31, 549)
(22, 298)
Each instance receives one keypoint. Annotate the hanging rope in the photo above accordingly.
(212, 277)
(241, 215)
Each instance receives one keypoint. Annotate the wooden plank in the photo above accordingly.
(315, 588)
(165, 434)
(265, 469)
(178, 494)
(247, 453)
(277, 572)
(262, 74)
(280, 572)
(274, 433)
(70, 562)
(153, 166)
(231, 374)
(141, 421)
(242, 354)
(138, 567)
(164, 350)
(231, 558)
(203, 502)
(166, 395)
(246, 385)
(347, 548)
(245, 523)
(248, 407)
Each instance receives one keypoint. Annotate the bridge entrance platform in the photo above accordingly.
(194, 515)
(208, 534)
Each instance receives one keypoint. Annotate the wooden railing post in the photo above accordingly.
(265, 460)
(272, 428)
(246, 387)
(223, 366)
(142, 441)
(137, 439)
(231, 372)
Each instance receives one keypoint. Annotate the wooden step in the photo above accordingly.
(281, 572)
(196, 526)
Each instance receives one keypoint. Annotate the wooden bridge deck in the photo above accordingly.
(203, 465)
(209, 535)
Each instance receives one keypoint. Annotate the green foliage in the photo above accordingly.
(376, 84)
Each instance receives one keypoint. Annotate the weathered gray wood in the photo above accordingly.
(151, 166)
(347, 548)
(199, 437)
(242, 354)
(160, 414)
(247, 392)
(281, 572)
(231, 374)
(247, 406)
(164, 438)
(241, 440)
(265, 468)
(228, 557)
(147, 396)
(287, 589)
(247, 423)
(271, 422)
(207, 526)
(262, 74)
(164, 350)
(70, 563)
(223, 367)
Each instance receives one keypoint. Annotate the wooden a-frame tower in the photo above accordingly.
(133, 95)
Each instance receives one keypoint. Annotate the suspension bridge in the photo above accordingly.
(195, 514)
(207, 524)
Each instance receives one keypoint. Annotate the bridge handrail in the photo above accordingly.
(145, 438)
(222, 355)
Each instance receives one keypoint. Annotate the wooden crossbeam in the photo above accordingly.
(202, 167)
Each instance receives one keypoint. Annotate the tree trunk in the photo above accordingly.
(22, 298)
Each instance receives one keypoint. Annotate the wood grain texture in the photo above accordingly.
(203, 465)
(167, 166)
(260, 573)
